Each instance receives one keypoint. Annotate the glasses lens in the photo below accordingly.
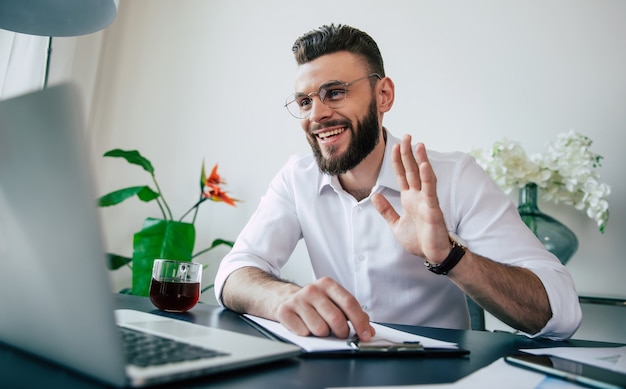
(333, 94)
(295, 106)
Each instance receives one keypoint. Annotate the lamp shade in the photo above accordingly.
(56, 18)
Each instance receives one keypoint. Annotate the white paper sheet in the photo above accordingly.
(331, 343)
(494, 375)
(497, 375)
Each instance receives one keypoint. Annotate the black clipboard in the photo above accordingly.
(379, 349)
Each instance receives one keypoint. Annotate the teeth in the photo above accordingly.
(331, 133)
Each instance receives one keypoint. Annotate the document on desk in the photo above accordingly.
(497, 375)
(313, 344)
(492, 376)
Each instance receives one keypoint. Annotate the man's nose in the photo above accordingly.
(319, 110)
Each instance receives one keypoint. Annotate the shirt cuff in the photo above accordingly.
(566, 311)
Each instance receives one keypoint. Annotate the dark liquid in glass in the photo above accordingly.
(174, 296)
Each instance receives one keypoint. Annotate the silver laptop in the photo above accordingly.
(56, 299)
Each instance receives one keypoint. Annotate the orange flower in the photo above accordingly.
(211, 189)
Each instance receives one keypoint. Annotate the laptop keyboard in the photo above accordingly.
(143, 350)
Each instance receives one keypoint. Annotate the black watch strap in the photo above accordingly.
(451, 260)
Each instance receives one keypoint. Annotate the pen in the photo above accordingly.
(354, 342)
(383, 345)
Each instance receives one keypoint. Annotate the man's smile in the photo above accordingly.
(331, 133)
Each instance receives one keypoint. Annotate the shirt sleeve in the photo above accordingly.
(488, 221)
(269, 237)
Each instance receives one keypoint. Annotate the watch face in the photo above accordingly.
(450, 262)
(433, 268)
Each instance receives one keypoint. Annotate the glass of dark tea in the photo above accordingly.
(175, 285)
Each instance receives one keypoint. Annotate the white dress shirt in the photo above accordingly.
(350, 242)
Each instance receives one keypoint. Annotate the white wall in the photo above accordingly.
(193, 80)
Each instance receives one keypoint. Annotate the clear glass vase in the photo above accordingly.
(554, 235)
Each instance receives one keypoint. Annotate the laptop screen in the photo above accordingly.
(51, 255)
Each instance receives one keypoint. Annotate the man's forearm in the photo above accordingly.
(512, 294)
(254, 291)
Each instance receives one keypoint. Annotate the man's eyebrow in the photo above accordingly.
(333, 82)
(322, 85)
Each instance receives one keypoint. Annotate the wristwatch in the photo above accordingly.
(457, 252)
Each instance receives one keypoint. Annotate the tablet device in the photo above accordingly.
(588, 375)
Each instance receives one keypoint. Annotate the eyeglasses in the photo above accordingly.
(332, 93)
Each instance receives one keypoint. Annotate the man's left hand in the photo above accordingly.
(421, 229)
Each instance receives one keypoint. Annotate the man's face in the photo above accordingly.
(339, 137)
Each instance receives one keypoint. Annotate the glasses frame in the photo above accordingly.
(336, 84)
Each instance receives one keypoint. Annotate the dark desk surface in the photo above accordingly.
(18, 370)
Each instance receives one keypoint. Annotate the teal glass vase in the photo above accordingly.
(554, 235)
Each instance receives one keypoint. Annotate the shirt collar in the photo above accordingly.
(386, 177)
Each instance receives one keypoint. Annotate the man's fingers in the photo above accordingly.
(385, 209)
(352, 311)
(398, 167)
(287, 316)
(324, 308)
(409, 163)
(427, 175)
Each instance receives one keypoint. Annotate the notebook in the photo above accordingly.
(56, 299)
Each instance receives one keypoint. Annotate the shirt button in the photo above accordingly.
(361, 258)
(364, 307)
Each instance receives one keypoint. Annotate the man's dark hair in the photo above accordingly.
(334, 38)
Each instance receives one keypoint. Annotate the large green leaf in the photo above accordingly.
(159, 238)
(143, 192)
(132, 156)
(115, 261)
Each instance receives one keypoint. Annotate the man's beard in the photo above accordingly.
(363, 142)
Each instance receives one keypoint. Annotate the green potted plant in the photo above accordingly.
(164, 237)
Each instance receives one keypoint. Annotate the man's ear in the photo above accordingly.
(385, 93)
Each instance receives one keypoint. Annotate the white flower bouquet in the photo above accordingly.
(565, 172)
